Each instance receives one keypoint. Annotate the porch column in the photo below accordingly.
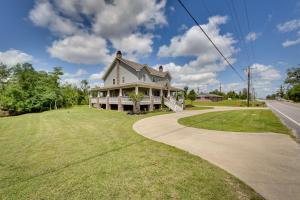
(120, 106)
(169, 93)
(161, 96)
(151, 106)
(107, 101)
(90, 100)
(136, 90)
(98, 99)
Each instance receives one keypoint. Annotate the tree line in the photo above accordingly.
(192, 95)
(290, 90)
(24, 90)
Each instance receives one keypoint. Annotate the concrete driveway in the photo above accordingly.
(268, 162)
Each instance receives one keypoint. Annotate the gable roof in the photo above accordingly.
(137, 67)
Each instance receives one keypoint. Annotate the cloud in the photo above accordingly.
(265, 72)
(81, 49)
(111, 24)
(183, 27)
(252, 36)
(79, 73)
(289, 25)
(136, 45)
(207, 62)
(97, 76)
(289, 43)
(44, 15)
(13, 57)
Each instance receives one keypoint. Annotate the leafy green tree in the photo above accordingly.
(293, 81)
(192, 96)
(136, 99)
(217, 92)
(294, 93)
(281, 91)
(4, 75)
(185, 92)
(232, 95)
(293, 76)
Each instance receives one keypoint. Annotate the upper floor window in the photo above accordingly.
(123, 79)
(144, 77)
(114, 81)
(153, 79)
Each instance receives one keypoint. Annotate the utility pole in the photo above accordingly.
(248, 89)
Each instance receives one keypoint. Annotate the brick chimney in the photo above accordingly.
(161, 69)
(119, 54)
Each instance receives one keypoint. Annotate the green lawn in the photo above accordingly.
(235, 103)
(238, 120)
(83, 153)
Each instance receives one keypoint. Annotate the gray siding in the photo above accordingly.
(131, 76)
(127, 72)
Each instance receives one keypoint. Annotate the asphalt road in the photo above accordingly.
(289, 113)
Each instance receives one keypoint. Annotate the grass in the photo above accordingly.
(238, 120)
(235, 103)
(83, 153)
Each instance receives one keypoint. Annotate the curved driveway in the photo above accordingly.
(268, 162)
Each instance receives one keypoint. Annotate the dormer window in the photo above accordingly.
(123, 79)
(114, 81)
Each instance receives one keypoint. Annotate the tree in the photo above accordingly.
(293, 76)
(185, 92)
(192, 96)
(4, 75)
(281, 91)
(232, 95)
(136, 98)
(294, 93)
(293, 81)
(217, 92)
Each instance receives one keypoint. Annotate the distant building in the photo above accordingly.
(209, 97)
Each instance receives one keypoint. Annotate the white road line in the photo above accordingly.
(284, 115)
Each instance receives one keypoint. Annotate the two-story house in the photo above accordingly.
(124, 77)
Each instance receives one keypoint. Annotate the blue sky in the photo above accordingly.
(83, 36)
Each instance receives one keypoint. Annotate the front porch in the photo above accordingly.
(117, 97)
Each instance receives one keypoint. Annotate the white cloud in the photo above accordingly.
(105, 22)
(204, 68)
(81, 49)
(289, 25)
(265, 72)
(97, 76)
(183, 27)
(252, 36)
(13, 57)
(289, 43)
(136, 45)
(79, 73)
(44, 15)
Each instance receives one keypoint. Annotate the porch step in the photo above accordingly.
(173, 104)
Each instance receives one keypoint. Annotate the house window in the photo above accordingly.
(144, 77)
(153, 79)
(123, 79)
(114, 81)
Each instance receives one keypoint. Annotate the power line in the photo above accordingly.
(180, 2)
(236, 25)
(248, 24)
